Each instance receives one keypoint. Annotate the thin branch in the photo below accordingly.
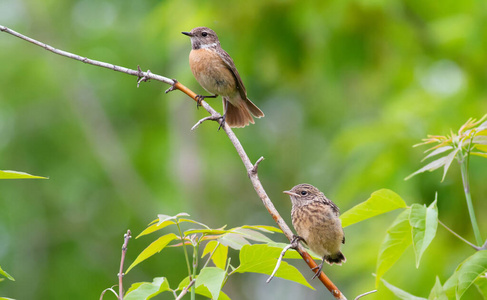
(209, 118)
(185, 290)
(126, 237)
(365, 294)
(461, 238)
(251, 170)
(278, 264)
(106, 290)
(256, 165)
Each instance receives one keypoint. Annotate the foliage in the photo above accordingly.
(209, 281)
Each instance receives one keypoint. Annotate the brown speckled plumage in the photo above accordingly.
(315, 219)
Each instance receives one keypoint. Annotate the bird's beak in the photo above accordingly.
(187, 33)
(291, 193)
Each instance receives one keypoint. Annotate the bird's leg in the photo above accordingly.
(222, 123)
(295, 240)
(200, 98)
(319, 267)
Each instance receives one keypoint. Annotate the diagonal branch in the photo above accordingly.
(251, 168)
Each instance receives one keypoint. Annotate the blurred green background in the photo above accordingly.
(347, 88)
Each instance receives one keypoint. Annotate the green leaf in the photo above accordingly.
(205, 231)
(233, 240)
(153, 248)
(194, 222)
(264, 228)
(219, 256)
(252, 235)
(424, 222)
(437, 151)
(3, 298)
(401, 294)
(398, 238)
(448, 162)
(431, 166)
(466, 274)
(155, 226)
(262, 258)
(380, 202)
(437, 292)
(147, 290)
(481, 284)
(163, 218)
(6, 274)
(201, 290)
(18, 175)
(212, 278)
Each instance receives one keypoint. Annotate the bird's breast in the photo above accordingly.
(212, 73)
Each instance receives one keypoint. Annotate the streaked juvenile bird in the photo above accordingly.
(215, 71)
(316, 221)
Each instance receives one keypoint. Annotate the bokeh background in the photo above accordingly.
(347, 88)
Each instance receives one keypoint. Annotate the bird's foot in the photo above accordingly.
(319, 267)
(222, 122)
(200, 98)
(295, 240)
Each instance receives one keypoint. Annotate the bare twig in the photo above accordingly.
(278, 264)
(216, 117)
(251, 169)
(461, 238)
(256, 165)
(186, 289)
(106, 290)
(365, 294)
(126, 237)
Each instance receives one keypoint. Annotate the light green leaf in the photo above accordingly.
(431, 166)
(264, 228)
(380, 202)
(153, 248)
(18, 175)
(201, 290)
(212, 278)
(261, 258)
(437, 151)
(219, 256)
(163, 218)
(437, 292)
(233, 240)
(397, 239)
(466, 274)
(401, 294)
(147, 290)
(6, 274)
(155, 226)
(194, 222)
(252, 235)
(3, 298)
(448, 162)
(481, 284)
(205, 231)
(424, 222)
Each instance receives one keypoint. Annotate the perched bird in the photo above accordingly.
(316, 221)
(215, 71)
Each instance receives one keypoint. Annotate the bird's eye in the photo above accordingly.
(204, 33)
(304, 193)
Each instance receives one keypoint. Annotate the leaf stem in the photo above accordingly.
(184, 248)
(195, 267)
(466, 187)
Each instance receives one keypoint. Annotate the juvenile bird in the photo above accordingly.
(215, 71)
(316, 221)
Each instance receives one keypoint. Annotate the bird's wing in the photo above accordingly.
(231, 66)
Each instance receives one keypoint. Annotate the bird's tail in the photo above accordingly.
(240, 115)
(337, 258)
